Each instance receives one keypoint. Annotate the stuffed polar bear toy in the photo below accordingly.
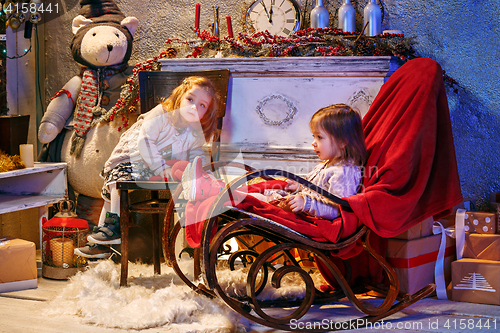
(102, 45)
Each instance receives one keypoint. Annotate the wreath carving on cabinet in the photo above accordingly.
(271, 108)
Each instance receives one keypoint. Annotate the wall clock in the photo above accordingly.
(279, 17)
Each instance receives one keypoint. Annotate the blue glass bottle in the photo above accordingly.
(373, 15)
(347, 17)
(319, 16)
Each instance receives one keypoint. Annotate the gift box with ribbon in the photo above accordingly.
(421, 261)
(475, 273)
(415, 260)
(423, 229)
(480, 222)
(486, 247)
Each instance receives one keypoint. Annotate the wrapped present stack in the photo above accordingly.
(475, 276)
(495, 206)
(414, 253)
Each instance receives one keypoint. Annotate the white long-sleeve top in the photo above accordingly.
(152, 133)
(341, 179)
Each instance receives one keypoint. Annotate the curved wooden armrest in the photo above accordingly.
(275, 172)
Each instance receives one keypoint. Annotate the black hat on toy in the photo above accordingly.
(101, 11)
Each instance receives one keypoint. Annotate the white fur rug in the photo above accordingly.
(155, 301)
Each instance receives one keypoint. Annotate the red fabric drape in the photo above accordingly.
(411, 173)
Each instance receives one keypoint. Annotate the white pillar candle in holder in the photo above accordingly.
(62, 251)
(26, 152)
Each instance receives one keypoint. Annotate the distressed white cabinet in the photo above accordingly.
(42, 185)
(37, 187)
(271, 100)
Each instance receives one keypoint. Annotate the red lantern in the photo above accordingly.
(60, 236)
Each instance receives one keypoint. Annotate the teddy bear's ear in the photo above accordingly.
(79, 22)
(131, 23)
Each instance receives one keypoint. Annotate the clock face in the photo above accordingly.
(279, 17)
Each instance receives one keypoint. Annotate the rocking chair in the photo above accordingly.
(410, 175)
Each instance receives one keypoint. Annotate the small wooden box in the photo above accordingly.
(13, 132)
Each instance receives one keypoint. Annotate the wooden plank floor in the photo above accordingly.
(22, 312)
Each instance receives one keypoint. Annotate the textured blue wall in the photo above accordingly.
(462, 35)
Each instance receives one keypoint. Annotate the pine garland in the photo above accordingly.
(304, 43)
(308, 42)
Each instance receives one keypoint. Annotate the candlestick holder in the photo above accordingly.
(215, 25)
(197, 18)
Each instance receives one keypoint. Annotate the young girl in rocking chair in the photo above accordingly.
(337, 140)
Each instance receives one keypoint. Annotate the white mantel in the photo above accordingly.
(302, 83)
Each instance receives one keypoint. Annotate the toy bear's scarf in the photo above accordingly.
(88, 105)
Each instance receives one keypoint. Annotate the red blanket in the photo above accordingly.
(411, 172)
(197, 212)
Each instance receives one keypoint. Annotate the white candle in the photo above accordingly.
(26, 152)
(62, 251)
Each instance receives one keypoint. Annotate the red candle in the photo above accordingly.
(197, 18)
(229, 27)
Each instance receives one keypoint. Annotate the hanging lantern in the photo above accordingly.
(14, 23)
(21, 17)
(60, 236)
(9, 7)
(35, 17)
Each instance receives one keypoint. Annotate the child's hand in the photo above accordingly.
(166, 174)
(291, 186)
(296, 203)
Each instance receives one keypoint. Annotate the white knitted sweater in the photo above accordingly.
(152, 133)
